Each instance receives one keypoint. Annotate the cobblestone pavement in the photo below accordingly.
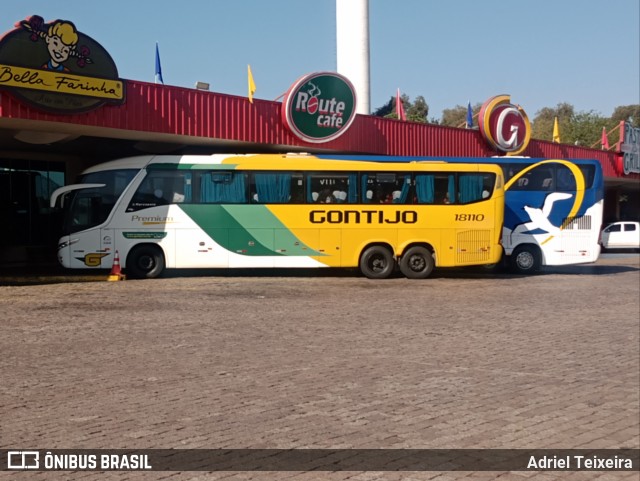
(461, 360)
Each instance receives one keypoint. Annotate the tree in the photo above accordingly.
(542, 124)
(387, 109)
(581, 128)
(586, 128)
(627, 113)
(416, 111)
(457, 116)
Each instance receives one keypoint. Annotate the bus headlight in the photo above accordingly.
(67, 243)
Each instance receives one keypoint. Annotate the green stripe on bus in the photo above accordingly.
(231, 227)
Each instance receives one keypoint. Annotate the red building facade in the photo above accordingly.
(165, 119)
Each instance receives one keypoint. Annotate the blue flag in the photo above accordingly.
(158, 67)
(469, 116)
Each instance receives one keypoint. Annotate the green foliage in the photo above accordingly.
(578, 128)
(416, 111)
(628, 113)
(457, 116)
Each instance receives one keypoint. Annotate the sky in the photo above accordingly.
(541, 53)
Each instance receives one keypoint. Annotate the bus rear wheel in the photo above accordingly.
(377, 262)
(417, 263)
(145, 262)
(525, 260)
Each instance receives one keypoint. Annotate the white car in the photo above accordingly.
(621, 235)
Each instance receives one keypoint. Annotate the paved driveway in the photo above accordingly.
(461, 360)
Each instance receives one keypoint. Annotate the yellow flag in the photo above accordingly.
(252, 84)
(556, 131)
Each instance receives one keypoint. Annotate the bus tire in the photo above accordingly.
(377, 262)
(417, 263)
(145, 262)
(525, 259)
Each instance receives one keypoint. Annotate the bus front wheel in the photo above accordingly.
(377, 262)
(417, 263)
(145, 262)
(525, 260)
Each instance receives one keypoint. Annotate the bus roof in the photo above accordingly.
(470, 160)
(281, 162)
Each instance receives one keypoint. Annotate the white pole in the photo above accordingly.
(352, 41)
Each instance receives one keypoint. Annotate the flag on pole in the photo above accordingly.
(400, 108)
(469, 116)
(158, 67)
(556, 131)
(605, 139)
(251, 84)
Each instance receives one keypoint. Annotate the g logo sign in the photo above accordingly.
(504, 126)
(94, 259)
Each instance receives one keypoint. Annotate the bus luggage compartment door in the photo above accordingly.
(473, 247)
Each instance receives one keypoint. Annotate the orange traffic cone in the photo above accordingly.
(116, 274)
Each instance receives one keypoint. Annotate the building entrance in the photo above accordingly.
(29, 226)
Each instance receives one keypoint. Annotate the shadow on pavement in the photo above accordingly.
(17, 275)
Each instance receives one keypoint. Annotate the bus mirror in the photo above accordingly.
(68, 188)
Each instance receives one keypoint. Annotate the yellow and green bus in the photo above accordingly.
(277, 210)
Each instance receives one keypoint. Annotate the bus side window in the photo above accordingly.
(565, 180)
(539, 179)
(223, 187)
(161, 188)
(445, 189)
(475, 187)
(276, 188)
(332, 188)
(386, 188)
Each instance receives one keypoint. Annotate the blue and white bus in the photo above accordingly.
(553, 209)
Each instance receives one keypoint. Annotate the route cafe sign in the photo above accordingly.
(319, 107)
(54, 67)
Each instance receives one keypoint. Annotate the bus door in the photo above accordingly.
(84, 244)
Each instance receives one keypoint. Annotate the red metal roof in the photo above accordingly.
(160, 109)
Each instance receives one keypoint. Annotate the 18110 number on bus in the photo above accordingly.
(469, 217)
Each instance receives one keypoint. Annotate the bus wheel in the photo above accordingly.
(377, 262)
(417, 263)
(145, 262)
(525, 260)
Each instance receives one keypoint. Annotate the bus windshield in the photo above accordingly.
(90, 207)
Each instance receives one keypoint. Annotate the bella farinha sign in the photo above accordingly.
(54, 67)
(319, 107)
